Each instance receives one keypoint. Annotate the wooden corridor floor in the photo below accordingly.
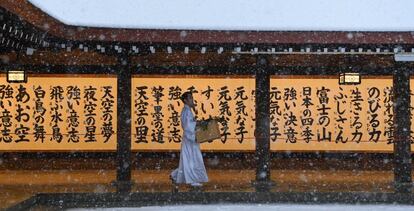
(24, 175)
(18, 185)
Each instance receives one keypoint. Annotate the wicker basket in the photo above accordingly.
(207, 130)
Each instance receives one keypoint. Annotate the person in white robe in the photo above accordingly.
(191, 169)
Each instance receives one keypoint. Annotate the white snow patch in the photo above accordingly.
(278, 15)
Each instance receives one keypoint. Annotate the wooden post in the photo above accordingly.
(262, 131)
(402, 127)
(123, 149)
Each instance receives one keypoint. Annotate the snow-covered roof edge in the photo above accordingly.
(33, 15)
(235, 15)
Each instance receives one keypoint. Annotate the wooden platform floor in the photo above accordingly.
(18, 185)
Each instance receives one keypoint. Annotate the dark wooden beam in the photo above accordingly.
(199, 63)
(73, 58)
(262, 131)
(402, 127)
(123, 149)
(333, 60)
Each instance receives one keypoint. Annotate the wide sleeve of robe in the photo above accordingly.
(188, 124)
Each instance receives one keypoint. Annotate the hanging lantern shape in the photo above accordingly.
(16, 76)
(349, 78)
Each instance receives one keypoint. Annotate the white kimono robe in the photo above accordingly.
(191, 168)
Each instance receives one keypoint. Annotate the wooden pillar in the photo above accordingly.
(402, 126)
(262, 131)
(123, 149)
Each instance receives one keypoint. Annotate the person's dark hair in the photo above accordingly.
(185, 95)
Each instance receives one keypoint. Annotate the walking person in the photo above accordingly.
(191, 169)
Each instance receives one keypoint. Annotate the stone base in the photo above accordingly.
(64, 201)
(196, 189)
(403, 187)
(263, 185)
(122, 186)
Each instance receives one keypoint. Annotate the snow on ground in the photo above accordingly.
(308, 15)
(261, 207)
